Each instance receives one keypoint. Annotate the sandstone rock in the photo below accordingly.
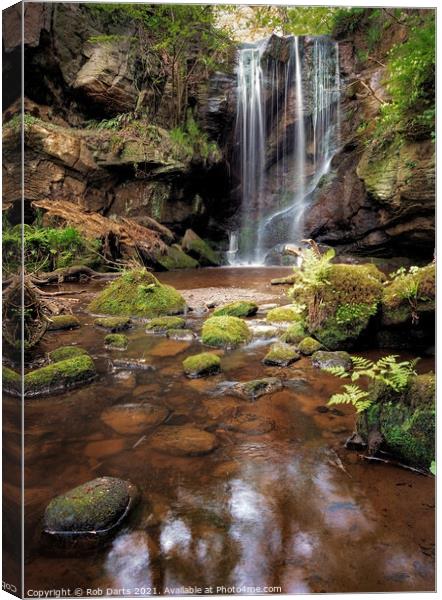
(249, 423)
(183, 441)
(134, 419)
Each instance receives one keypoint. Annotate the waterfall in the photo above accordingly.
(287, 132)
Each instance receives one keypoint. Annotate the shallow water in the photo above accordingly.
(288, 509)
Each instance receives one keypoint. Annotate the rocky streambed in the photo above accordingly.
(241, 477)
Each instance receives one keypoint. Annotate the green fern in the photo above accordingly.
(352, 395)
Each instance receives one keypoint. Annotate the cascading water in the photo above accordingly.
(287, 131)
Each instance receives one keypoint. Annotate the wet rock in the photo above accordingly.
(58, 376)
(281, 355)
(89, 512)
(200, 250)
(294, 334)
(65, 352)
(298, 385)
(11, 381)
(258, 387)
(113, 324)
(309, 346)
(168, 348)
(249, 423)
(58, 322)
(132, 364)
(225, 332)
(162, 324)
(282, 314)
(174, 258)
(240, 308)
(183, 441)
(323, 360)
(262, 331)
(355, 442)
(133, 419)
(183, 335)
(264, 308)
(202, 365)
(116, 341)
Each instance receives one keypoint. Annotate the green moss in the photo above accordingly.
(93, 506)
(225, 331)
(345, 326)
(165, 323)
(281, 355)
(63, 322)
(66, 352)
(201, 365)
(11, 381)
(176, 259)
(408, 295)
(259, 387)
(282, 314)
(294, 333)
(322, 359)
(203, 253)
(59, 375)
(138, 293)
(119, 341)
(241, 308)
(308, 346)
(113, 324)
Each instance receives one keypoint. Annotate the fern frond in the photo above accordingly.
(359, 362)
(338, 371)
(352, 395)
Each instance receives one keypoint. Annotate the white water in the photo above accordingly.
(302, 121)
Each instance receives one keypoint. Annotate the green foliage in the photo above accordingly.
(294, 20)
(433, 467)
(352, 395)
(190, 140)
(347, 20)
(350, 314)
(315, 267)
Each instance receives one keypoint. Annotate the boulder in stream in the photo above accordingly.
(116, 341)
(65, 352)
(324, 360)
(281, 355)
(183, 441)
(309, 346)
(282, 314)
(225, 331)
(240, 308)
(61, 375)
(133, 419)
(162, 324)
(202, 365)
(59, 322)
(113, 324)
(294, 333)
(256, 388)
(182, 335)
(249, 424)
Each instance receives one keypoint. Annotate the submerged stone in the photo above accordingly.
(322, 360)
(90, 511)
(64, 374)
(249, 423)
(133, 364)
(258, 387)
(225, 332)
(281, 355)
(183, 441)
(202, 365)
(133, 419)
(58, 322)
(113, 324)
(116, 341)
(182, 335)
(240, 308)
(161, 324)
(65, 352)
(309, 346)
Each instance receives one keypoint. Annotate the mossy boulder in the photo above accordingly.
(113, 324)
(138, 293)
(251, 390)
(324, 360)
(175, 258)
(200, 250)
(61, 375)
(202, 365)
(409, 296)
(281, 355)
(161, 324)
(406, 420)
(309, 346)
(11, 381)
(90, 511)
(225, 332)
(241, 308)
(294, 334)
(65, 352)
(59, 322)
(282, 314)
(116, 341)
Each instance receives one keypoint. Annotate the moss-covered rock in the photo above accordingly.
(406, 420)
(295, 333)
(11, 381)
(251, 390)
(113, 324)
(409, 296)
(324, 360)
(175, 258)
(200, 250)
(202, 365)
(161, 324)
(116, 341)
(281, 355)
(60, 375)
(225, 332)
(65, 352)
(138, 293)
(94, 509)
(58, 322)
(309, 346)
(241, 308)
(283, 314)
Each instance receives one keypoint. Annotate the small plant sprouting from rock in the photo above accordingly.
(386, 370)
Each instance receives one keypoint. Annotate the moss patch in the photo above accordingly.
(322, 360)
(63, 374)
(225, 331)
(409, 295)
(11, 381)
(294, 333)
(282, 314)
(200, 250)
(281, 355)
(258, 387)
(66, 352)
(308, 346)
(138, 293)
(176, 258)
(241, 308)
(165, 323)
(201, 365)
(113, 324)
(119, 341)
(63, 322)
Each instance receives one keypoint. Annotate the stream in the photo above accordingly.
(287, 510)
